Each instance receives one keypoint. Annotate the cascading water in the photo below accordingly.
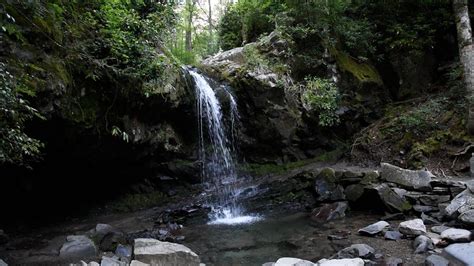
(215, 150)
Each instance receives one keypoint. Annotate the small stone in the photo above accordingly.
(393, 235)
(393, 261)
(422, 208)
(436, 260)
(123, 251)
(422, 244)
(329, 212)
(413, 227)
(460, 254)
(428, 219)
(107, 261)
(356, 251)
(269, 264)
(138, 263)
(374, 229)
(454, 235)
(340, 262)
(287, 261)
(439, 229)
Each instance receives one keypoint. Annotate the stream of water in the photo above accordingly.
(216, 150)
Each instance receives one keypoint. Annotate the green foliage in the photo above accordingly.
(322, 96)
(16, 147)
(418, 120)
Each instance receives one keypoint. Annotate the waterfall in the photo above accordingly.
(216, 150)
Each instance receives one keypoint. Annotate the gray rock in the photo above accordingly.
(422, 208)
(138, 263)
(269, 264)
(107, 261)
(413, 227)
(370, 177)
(428, 220)
(374, 229)
(470, 185)
(356, 251)
(326, 188)
(3, 263)
(422, 244)
(436, 260)
(111, 240)
(393, 235)
(160, 253)
(103, 229)
(287, 261)
(454, 235)
(464, 198)
(435, 238)
(439, 228)
(417, 180)
(467, 217)
(391, 199)
(460, 254)
(354, 192)
(329, 212)
(78, 246)
(123, 251)
(340, 262)
(393, 261)
(433, 200)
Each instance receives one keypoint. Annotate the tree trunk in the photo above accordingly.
(466, 55)
(209, 21)
(189, 25)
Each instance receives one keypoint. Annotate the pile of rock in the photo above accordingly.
(444, 243)
(111, 247)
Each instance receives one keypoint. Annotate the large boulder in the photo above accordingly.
(462, 203)
(326, 187)
(460, 254)
(159, 253)
(392, 200)
(410, 179)
(78, 246)
(455, 235)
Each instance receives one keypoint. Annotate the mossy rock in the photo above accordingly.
(328, 174)
(364, 72)
(370, 177)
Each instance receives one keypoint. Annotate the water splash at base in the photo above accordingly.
(227, 218)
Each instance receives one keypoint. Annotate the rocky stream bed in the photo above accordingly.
(313, 215)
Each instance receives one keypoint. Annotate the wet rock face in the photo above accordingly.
(329, 212)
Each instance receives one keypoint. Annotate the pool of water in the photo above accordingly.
(291, 235)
